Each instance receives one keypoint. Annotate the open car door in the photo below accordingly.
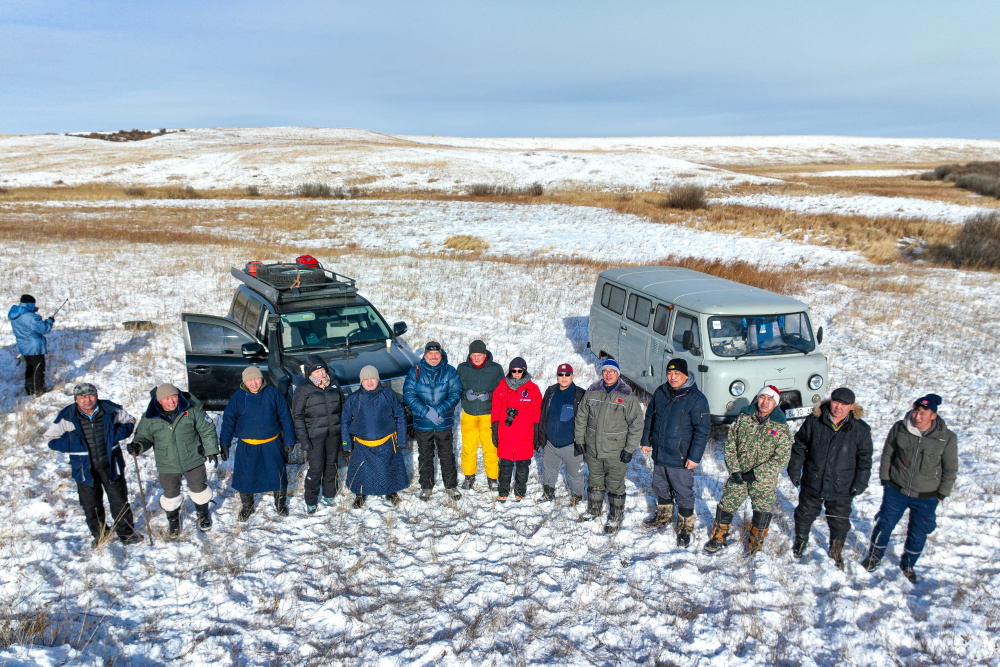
(214, 358)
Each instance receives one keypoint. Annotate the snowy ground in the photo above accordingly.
(471, 582)
(872, 206)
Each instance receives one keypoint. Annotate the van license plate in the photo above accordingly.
(798, 413)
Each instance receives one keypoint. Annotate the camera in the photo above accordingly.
(511, 413)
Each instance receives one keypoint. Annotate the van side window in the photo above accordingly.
(661, 319)
(684, 323)
(253, 314)
(239, 308)
(638, 309)
(613, 298)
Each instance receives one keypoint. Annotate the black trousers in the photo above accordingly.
(838, 515)
(92, 500)
(34, 373)
(443, 442)
(520, 477)
(323, 470)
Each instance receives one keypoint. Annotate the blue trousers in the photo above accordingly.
(922, 523)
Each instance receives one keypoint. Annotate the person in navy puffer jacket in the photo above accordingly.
(29, 331)
(431, 391)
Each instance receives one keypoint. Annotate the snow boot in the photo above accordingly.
(801, 541)
(469, 483)
(454, 494)
(616, 513)
(574, 499)
(329, 501)
(908, 572)
(758, 531)
(717, 538)
(247, 506)
(393, 499)
(173, 524)
(685, 526)
(425, 494)
(311, 509)
(492, 483)
(281, 503)
(662, 516)
(359, 501)
(548, 494)
(871, 563)
(595, 504)
(131, 538)
(203, 517)
(837, 551)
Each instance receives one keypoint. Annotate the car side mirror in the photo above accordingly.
(399, 328)
(819, 336)
(687, 341)
(253, 351)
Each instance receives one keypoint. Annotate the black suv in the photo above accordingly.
(277, 318)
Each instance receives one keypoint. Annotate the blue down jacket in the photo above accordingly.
(437, 387)
(678, 424)
(29, 328)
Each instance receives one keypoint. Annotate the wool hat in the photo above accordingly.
(930, 401)
(770, 390)
(565, 368)
(679, 365)
(612, 364)
(84, 389)
(843, 395)
(432, 346)
(517, 362)
(477, 347)
(368, 373)
(166, 390)
(252, 373)
(314, 362)
(27, 298)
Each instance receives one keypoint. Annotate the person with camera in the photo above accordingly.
(609, 425)
(554, 435)
(517, 407)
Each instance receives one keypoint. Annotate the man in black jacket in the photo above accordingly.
(554, 435)
(316, 408)
(831, 462)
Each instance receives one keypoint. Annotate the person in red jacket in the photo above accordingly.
(517, 407)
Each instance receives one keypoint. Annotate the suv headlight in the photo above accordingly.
(815, 382)
(737, 388)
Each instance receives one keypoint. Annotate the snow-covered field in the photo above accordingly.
(871, 206)
(472, 582)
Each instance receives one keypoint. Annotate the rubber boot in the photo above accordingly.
(616, 513)
(801, 541)
(204, 518)
(548, 494)
(595, 504)
(173, 524)
(837, 551)
(685, 526)
(247, 506)
(758, 531)
(717, 538)
(281, 503)
(662, 516)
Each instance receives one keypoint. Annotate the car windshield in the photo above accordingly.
(737, 335)
(332, 327)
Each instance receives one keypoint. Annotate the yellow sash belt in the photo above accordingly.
(376, 443)
(251, 441)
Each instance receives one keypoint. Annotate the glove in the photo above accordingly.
(134, 448)
(941, 498)
(225, 453)
(885, 482)
(433, 417)
(52, 319)
(214, 458)
(305, 445)
(495, 427)
(736, 478)
(855, 491)
(471, 396)
(577, 449)
(797, 481)
(538, 446)
(625, 456)
(347, 457)
(749, 477)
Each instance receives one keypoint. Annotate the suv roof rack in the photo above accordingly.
(334, 285)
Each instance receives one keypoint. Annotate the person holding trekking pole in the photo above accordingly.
(29, 331)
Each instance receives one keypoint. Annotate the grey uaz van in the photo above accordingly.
(735, 338)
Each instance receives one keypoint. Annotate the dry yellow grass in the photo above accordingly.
(466, 242)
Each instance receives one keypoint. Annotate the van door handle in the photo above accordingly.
(201, 370)
(623, 328)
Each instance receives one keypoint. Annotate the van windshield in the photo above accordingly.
(736, 335)
(331, 327)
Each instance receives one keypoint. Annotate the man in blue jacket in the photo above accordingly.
(678, 424)
(29, 332)
(91, 432)
(432, 390)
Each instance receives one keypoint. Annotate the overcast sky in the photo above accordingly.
(490, 69)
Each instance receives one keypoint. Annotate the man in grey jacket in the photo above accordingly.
(918, 471)
(609, 424)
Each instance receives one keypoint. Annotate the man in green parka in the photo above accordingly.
(182, 437)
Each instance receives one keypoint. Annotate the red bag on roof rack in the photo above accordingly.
(308, 260)
(251, 267)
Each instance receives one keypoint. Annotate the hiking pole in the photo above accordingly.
(142, 494)
(59, 308)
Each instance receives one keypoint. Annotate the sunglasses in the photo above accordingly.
(519, 371)
(564, 374)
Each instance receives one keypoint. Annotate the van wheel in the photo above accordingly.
(719, 432)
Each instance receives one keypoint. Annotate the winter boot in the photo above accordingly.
(595, 504)
(203, 517)
(574, 499)
(908, 572)
(173, 524)
(871, 563)
(454, 494)
(393, 499)
(758, 531)
(685, 526)
(492, 483)
(281, 503)
(311, 509)
(329, 501)
(359, 501)
(801, 541)
(616, 512)
(837, 551)
(246, 506)
(723, 520)
(469, 483)
(131, 538)
(425, 494)
(662, 516)
(548, 494)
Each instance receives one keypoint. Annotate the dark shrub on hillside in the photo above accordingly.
(124, 135)
(983, 184)
(978, 244)
(490, 190)
(314, 190)
(251, 191)
(133, 191)
(687, 197)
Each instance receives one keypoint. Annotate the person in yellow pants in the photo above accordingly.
(480, 375)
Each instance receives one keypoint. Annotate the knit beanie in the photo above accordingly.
(772, 391)
(252, 373)
(27, 298)
(166, 390)
(477, 347)
(368, 373)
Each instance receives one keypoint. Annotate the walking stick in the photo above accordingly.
(142, 494)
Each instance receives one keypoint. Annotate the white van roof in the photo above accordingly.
(702, 292)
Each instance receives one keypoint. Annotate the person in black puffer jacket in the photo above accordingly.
(316, 408)
(831, 463)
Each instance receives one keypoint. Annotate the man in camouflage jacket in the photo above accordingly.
(757, 450)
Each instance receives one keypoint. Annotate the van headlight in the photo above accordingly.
(815, 382)
(737, 388)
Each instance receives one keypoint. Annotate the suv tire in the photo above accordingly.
(284, 275)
